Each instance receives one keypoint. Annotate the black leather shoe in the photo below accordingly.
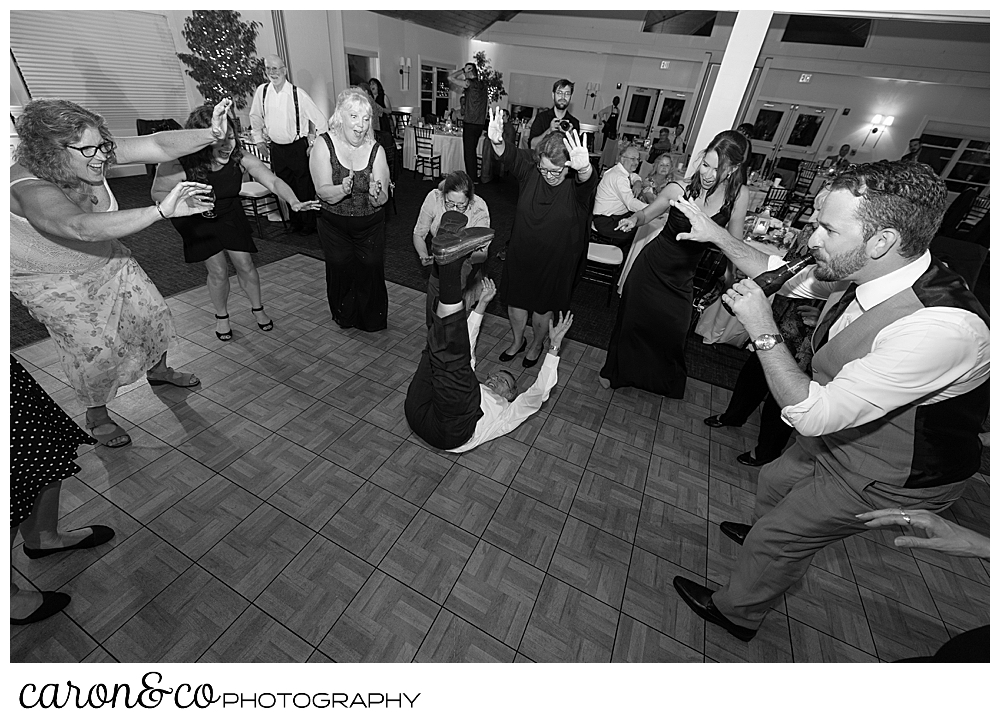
(99, 534)
(52, 602)
(716, 421)
(699, 598)
(749, 460)
(735, 531)
(528, 363)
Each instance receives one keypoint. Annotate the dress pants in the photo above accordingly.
(442, 403)
(606, 226)
(802, 507)
(470, 142)
(290, 163)
(751, 388)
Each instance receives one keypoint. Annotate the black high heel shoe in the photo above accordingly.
(263, 327)
(505, 357)
(224, 335)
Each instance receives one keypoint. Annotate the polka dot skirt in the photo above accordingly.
(43, 442)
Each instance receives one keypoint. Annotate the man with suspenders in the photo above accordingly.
(285, 123)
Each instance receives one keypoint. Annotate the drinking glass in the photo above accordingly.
(209, 197)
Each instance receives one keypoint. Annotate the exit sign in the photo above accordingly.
(806, 78)
(664, 64)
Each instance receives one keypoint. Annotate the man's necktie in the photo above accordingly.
(822, 333)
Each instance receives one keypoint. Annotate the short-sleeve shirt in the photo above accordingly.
(540, 126)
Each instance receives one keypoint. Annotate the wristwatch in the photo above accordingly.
(765, 342)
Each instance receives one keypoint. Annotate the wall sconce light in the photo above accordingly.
(404, 73)
(591, 96)
(879, 124)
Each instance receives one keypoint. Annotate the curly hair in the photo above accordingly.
(906, 196)
(353, 97)
(553, 148)
(45, 128)
(731, 147)
(197, 165)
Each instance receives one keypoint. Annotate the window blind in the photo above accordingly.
(121, 64)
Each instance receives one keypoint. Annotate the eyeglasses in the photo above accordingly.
(631, 159)
(564, 94)
(90, 151)
(274, 67)
(553, 173)
(452, 206)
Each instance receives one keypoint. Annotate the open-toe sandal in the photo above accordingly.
(106, 439)
(224, 335)
(177, 379)
(263, 327)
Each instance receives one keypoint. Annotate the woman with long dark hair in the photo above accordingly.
(225, 229)
(650, 335)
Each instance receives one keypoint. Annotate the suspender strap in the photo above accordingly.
(295, 99)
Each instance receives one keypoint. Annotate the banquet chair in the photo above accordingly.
(258, 201)
(399, 122)
(604, 262)
(775, 201)
(425, 157)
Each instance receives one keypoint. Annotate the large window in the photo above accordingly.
(962, 162)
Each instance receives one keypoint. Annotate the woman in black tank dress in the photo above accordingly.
(351, 176)
(647, 345)
(208, 237)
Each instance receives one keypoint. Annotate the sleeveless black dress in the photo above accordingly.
(229, 230)
(647, 345)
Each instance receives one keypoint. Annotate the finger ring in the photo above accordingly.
(906, 517)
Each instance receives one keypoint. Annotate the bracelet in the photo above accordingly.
(160, 211)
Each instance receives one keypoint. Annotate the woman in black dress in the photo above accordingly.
(556, 184)
(225, 229)
(43, 443)
(351, 176)
(647, 345)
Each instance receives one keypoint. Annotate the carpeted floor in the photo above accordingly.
(158, 251)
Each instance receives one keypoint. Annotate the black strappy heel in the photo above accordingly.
(224, 335)
(263, 327)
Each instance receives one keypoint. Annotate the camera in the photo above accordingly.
(565, 126)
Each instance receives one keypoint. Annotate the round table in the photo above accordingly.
(447, 145)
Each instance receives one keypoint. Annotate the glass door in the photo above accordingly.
(640, 103)
(786, 133)
(669, 114)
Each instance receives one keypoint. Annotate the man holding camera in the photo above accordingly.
(557, 117)
(477, 99)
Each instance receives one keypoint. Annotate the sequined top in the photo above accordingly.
(358, 203)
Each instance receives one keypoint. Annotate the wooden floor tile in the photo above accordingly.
(102, 467)
(315, 494)
(677, 485)
(898, 630)
(636, 642)
(889, 572)
(568, 626)
(607, 505)
(466, 498)
(370, 522)
(236, 391)
(429, 555)
(580, 409)
(256, 637)
(252, 555)
(548, 479)
(317, 427)
(224, 442)
(318, 379)
(265, 468)
(772, 644)
(196, 523)
(565, 440)
(526, 528)
(959, 601)
(362, 449)
(180, 623)
(284, 363)
(183, 421)
(592, 561)
(621, 462)
(496, 592)
(385, 623)
(673, 534)
(453, 640)
(686, 449)
(158, 486)
(276, 407)
(584, 379)
(313, 590)
(498, 459)
(116, 587)
(629, 427)
(651, 599)
(412, 472)
(389, 370)
(389, 415)
(832, 605)
(54, 640)
(811, 646)
(638, 401)
(357, 396)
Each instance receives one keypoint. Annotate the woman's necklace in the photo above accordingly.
(85, 195)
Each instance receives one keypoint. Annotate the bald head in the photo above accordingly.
(276, 71)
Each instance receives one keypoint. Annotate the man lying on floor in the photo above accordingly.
(446, 406)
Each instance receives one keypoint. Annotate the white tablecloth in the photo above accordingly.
(449, 147)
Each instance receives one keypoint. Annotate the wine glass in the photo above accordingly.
(209, 197)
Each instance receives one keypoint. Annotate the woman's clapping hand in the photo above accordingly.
(348, 183)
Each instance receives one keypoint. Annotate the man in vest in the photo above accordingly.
(891, 415)
(285, 123)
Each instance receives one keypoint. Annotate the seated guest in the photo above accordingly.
(455, 193)
(660, 146)
(616, 197)
(891, 415)
(659, 176)
(839, 161)
(446, 406)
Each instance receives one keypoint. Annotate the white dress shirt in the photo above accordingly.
(933, 354)
(614, 193)
(276, 122)
(499, 415)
